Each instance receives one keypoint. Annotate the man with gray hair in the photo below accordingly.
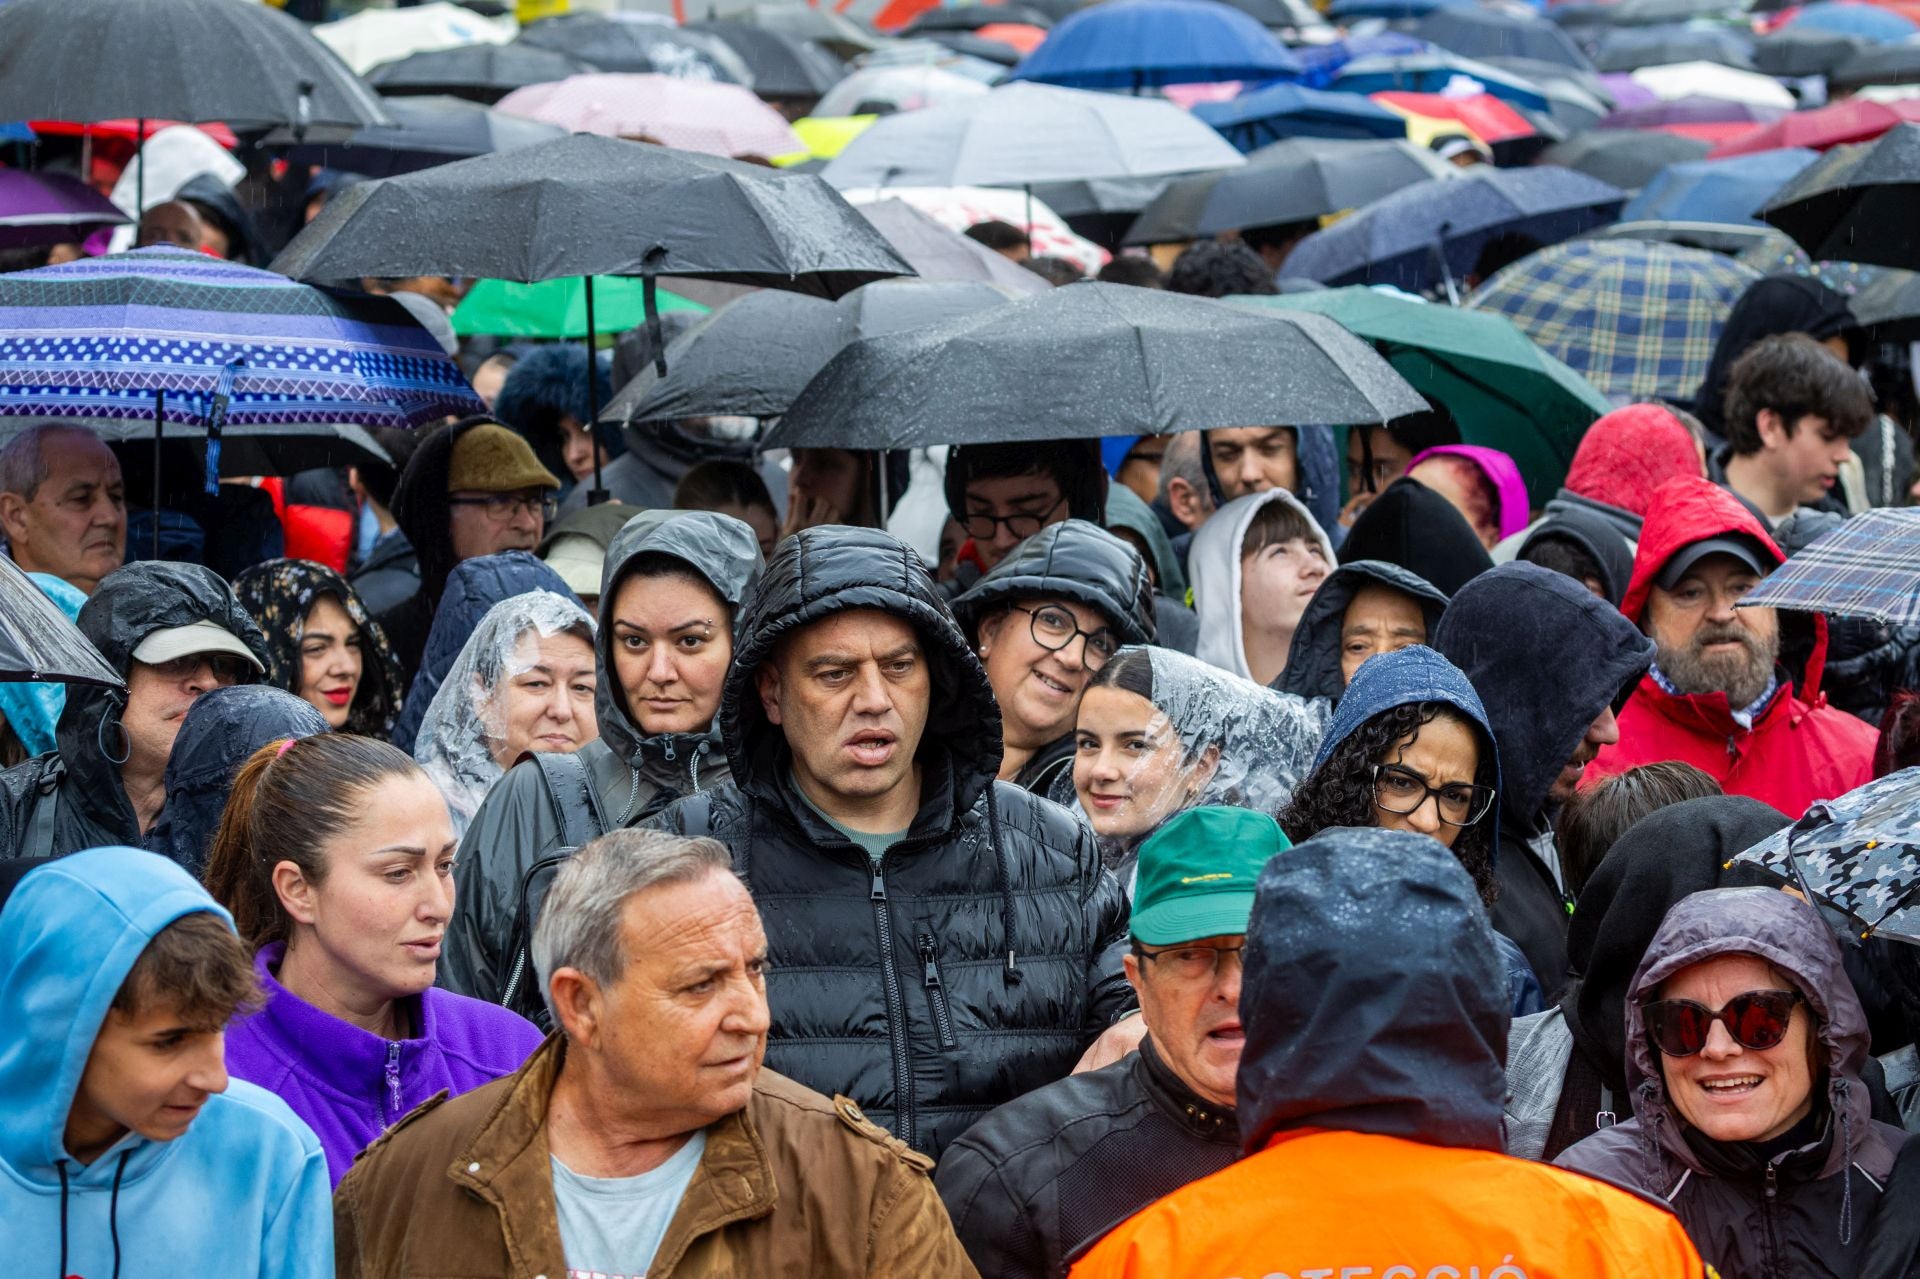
(63, 505)
(644, 1138)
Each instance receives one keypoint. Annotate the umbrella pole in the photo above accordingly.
(139, 175)
(598, 493)
(1029, 190)
(159, 430)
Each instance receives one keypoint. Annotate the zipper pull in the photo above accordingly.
(932, 975)
(393, 1077)
(1773, 1179)
(879, 891)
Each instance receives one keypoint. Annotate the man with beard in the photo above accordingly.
(1717, 696)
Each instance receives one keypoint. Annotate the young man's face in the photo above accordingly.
(1006, 510)
(1253, 459)
(1809, 458)
(150, 1072)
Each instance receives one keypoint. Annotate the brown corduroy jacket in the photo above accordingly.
(795, 1184)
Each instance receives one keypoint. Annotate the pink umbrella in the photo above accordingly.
(693, 115)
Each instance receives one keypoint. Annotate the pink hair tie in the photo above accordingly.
(284, 748)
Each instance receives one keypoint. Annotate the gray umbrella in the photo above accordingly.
(1629, 49)
(476, 72)
(1805, 51)
(832, 32)
(191, 60)
(426, 131)
(613, 44)
(751, 358)
(782, 66)
(38, 643)
(935, 253)
(1626, 158)
(1878, 64)
(1090, 360)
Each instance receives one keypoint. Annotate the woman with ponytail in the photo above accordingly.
(335, 856)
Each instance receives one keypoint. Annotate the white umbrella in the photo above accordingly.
(902, 88)
(373, 36)
(957, 208)
(1711, 80)
(694, 115)
(1022, 133)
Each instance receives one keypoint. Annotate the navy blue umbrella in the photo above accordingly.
(1730, 190)
(1418, 237)
(1436, 71)
(1349, 10)
(1135, 44)
(1282, 111)
(1494, 33)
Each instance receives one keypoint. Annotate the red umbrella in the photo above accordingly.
(1023, 36)
(1716, 131)
(1854, 120)
(128, 130)
(1486, 116)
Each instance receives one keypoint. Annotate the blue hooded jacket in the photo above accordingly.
(242, 1192)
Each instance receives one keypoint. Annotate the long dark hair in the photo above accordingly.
(1340, 791)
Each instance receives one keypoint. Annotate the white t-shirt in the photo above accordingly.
(610, 1227)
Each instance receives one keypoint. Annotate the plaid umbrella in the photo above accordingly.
(1859, 853)
(1635, 318)
(1868, 567)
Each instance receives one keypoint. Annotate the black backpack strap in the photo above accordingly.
(38, 844)
(570, 788)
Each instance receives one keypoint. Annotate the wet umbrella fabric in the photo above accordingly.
(189, 60)
(1859, 853)
(426, 131)
(1281, 111)
(1805, 51)
(37, 641)
(372, 36)
(1717, 190)
(1879, 64)
(831, 31)
(1854, 120)
(1697, 79)
(691, 114)
(897, 88)
(1436, 72)
(638, 47)
(1482, 33)
(1856, 203)
(1091, 360)
(1287, 182)
(1394, 241)
(782, 66)
(973, 17)
(557, 309)
(1626, 158)
(51, 208)
(1136, 44)
(1636, 319)
(478, 72)
(1869, 22)
(935, 253)
(1631, 48)
(1869, 566)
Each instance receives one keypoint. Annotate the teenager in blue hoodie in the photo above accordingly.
(125, 1150)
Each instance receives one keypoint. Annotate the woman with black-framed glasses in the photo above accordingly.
(1745, 1043)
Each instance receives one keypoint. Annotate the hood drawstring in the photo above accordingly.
(1651, 1117)
(1004, 874)
(62, 1167)
(113, 1210)
(1840, 1108)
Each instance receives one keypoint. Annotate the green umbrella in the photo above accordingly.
(558, 308)
(1505, 392)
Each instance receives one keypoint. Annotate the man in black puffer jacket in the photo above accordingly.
(938, 944)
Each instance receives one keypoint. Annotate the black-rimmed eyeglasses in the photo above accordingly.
(1401, 791)
(1053, 628)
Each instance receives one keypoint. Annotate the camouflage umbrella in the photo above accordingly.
(1859, 853)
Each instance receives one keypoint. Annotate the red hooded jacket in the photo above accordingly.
(1799, 749)
(1628, 454)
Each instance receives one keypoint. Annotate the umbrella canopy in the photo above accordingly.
(1717, 190)
(1481, 114)
(1434, 73)
(1851, 120)
(1631, 48)
(1505, 392)
(558, 308)
(1641, 13)
(426, 131)
(782, 66)
(824, 27)
(1711, 80)
(1869, 22)
(936, 253)
(957, 208)
(587, 205)
(1282, 111)
(1626, 158)
(613, 44)
(693, 115)
(1435, 228)
(1867, 567)
(1856, 203)
(1805, 51)
(1391, 10)
(1859, 853)
(826, 136)
(104, 59)
(1286, 182)
(1092, 360)
(1025, 133)
(51, 208)
(1889, 304)
(972, 17)
(1692, 113)
(476, 72)
(38, 643)
(1136, 44)
(974, 46)
(891, 88)
(753, 357)
(1482, 33)
(1879, 64)
(1636, 319)
(1022, 36)
(373, 36)
(1574, 98)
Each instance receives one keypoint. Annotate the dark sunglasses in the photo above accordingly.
(1756, 1020)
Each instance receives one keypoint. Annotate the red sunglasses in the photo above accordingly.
(1756, 1020)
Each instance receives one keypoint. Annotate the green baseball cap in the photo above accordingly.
(1197, 874)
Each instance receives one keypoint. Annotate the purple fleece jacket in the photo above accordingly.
(350, 1085)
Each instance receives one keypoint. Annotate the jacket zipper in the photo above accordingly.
(937, 994)
(1766, 1212)
(896, 1006)
(393, 1084)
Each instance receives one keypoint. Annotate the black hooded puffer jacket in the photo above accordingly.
(1546, 656)
(1313, 663)
(633, 776)
(981, 954)
(90, 805)
(1798, 1213)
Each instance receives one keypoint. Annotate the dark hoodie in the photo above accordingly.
(1752, 1211)
(1774, 304)
(421, 510)
(980, 954)
(1412, 526)
(222, 730)
(633, 775)
(1313, 663)
(1594, 534)
(1546, 656)
(80, 780)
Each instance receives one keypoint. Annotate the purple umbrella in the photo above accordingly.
(51, 208)
(1627, 91)
(1653, 115)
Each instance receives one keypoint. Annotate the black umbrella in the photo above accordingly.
(1289, 181)
(477, 72)
(782, 66)
(972, 17)
(614, 45)
(1089, 360)
(1101, 209)
(1626, 158)
(426, 131)
(1646, 13)
(1482, 33)
(935, 253)
(825, 28)
(1630, 49)
(1878, 64)
(38, 643)
(1805, 51)
(1856, 203)
(1889, 305)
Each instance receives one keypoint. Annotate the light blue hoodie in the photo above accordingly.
(243, 1192)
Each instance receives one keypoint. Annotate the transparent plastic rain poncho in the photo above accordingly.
(466, 721)
(1265, 743)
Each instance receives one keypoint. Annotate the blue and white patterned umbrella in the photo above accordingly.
(1868, 567)
(1859, 853)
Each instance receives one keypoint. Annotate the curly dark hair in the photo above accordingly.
(1340, 791)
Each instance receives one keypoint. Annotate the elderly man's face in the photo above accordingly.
(1190, 997)
(684, 1027)
(1703, 643)
(75, 524)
